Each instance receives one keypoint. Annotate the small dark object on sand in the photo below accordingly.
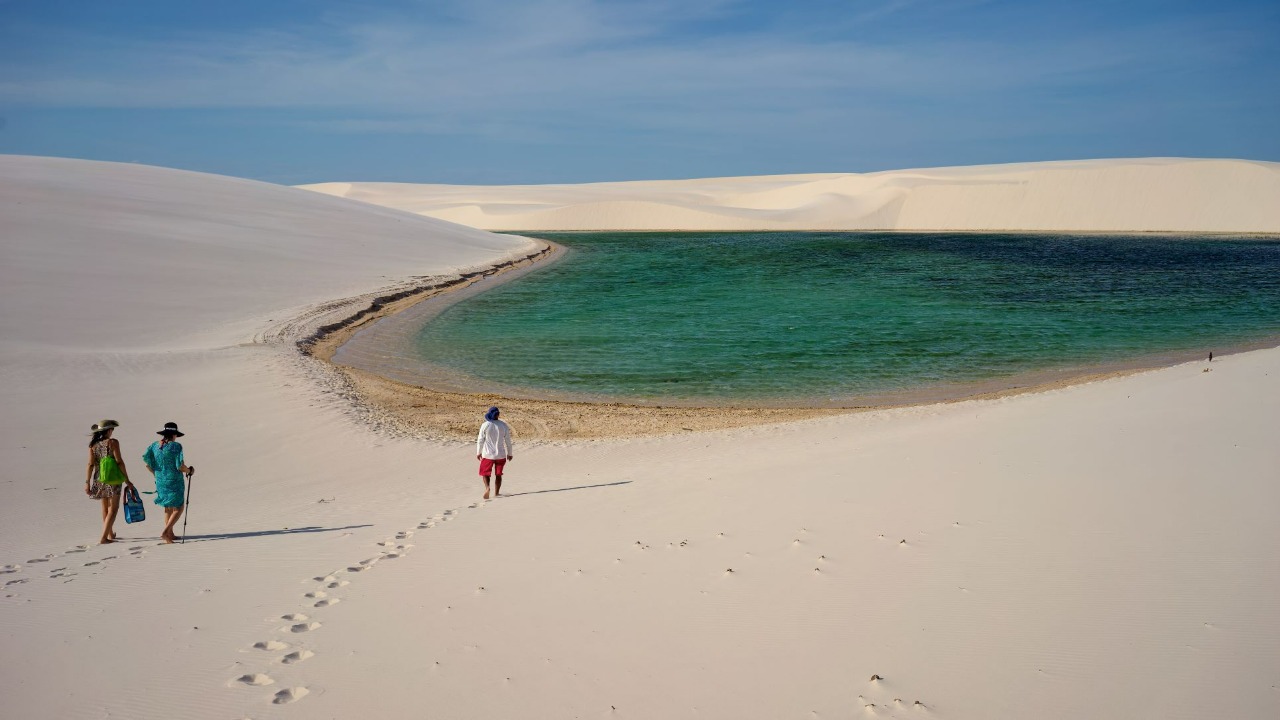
(875, 678)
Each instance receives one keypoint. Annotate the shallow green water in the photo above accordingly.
(819, 315)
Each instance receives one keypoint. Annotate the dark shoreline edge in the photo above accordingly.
(383, 303)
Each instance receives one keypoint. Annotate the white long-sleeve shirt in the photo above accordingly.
(494, 440)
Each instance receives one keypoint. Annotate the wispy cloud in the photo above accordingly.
(543, 69)
(475, 56)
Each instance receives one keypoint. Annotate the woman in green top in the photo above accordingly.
(107, 489)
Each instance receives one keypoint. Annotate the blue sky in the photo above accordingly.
(502, 91)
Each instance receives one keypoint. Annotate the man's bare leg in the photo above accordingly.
(486, 485)
(497, 486)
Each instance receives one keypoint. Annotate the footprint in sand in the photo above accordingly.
(325, 578)
(327, 602)
(288, 695)
(404, 535)
(294, 617)
(78, 549)
(338, 584)
(370, 561)
(62, 574)
(38, 560)
(255, 679)
(297, 656)
(10, 569)
(269, 645)
(359, 568)
(91, 564)
(303, 627)
(317, 595)
(390, 556)
(16, 582)
(426, 524)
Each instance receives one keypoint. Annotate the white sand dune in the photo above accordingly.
(1138, 195)
(1102, 551)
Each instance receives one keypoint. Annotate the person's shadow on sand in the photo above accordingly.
(262, 533)
(579, 487)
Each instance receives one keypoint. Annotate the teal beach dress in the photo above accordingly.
(165, 459)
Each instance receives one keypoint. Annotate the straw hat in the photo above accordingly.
(107, 424)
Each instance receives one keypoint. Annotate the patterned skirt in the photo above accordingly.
(98, 491)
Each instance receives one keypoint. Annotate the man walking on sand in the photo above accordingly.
(493, 450)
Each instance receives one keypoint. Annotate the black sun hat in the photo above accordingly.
(170, 427)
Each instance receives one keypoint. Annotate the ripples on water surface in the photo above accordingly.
(823, 315)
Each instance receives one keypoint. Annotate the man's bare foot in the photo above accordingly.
(486, 494)
(167, 540)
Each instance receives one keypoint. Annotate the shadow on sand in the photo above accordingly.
(579, 487)
(261, 533)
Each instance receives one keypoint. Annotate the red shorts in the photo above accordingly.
(495, 466)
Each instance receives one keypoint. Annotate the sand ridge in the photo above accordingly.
(1120, 195)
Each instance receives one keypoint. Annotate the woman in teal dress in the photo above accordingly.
(164, 459)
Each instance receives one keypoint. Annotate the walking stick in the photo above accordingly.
(191, 472)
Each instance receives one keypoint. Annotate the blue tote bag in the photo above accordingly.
(133, 510)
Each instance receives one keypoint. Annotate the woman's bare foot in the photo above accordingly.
(105, 541)
(167, 540)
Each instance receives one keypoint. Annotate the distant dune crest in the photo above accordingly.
(1137, 195)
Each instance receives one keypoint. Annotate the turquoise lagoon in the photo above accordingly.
(832, 317)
